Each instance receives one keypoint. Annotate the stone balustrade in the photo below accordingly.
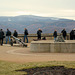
(34, 36)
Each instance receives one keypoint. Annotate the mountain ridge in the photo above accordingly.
(32, 23)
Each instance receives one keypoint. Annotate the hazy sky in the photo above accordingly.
(49, 8)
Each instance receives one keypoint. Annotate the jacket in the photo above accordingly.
(8, 33)
(39, 32)
(26, 32)
(55, 34)
(15, 34)
(1, 34)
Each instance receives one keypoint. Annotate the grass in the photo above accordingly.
(8, 68)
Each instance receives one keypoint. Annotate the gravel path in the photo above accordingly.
(23, 55)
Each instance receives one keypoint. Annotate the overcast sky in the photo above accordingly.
(48, 8)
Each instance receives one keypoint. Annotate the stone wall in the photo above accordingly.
(53, 47)
(34, 36)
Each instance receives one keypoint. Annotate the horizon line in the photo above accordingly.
(39, 16)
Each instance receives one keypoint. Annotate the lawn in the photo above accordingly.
(9, 68)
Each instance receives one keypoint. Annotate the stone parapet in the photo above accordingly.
(34, 36)
(53, 47)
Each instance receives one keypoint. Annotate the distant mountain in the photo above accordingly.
(32, 23)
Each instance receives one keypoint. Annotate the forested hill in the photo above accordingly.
(32, 23)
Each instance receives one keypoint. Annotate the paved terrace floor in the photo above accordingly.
(23, 55)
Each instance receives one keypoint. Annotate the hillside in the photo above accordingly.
(32, 23)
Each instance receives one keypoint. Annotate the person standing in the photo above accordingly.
(15, 33)
(8, 34)
(74, 34)
(1, 36)
(71, 34)
(25, 34)
(55, 34)
(64, 33)
(39, 34)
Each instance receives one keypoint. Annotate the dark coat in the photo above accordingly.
(55, 34)
(8, 33)
(71, 35)
(1, 34)
(26, 32)
(39, 32)
(64, 33)
(15, 34)
(74, 35)
(74, 32)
